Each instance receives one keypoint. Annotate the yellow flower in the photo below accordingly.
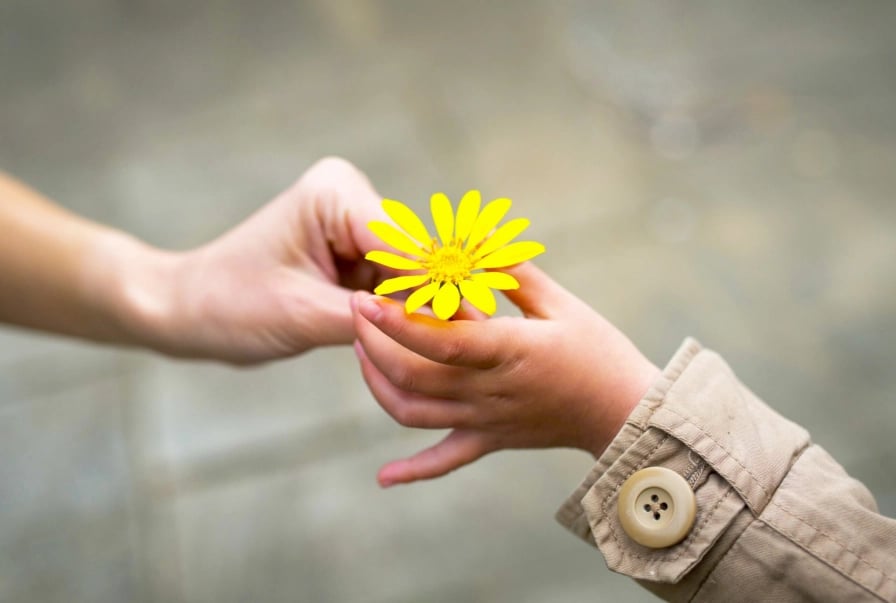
(452, 265)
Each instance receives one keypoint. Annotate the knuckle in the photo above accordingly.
(490, 358)
(454, 351)
(326, 178)
(403, 415)
(487, 445)
(466, 417)
(332, 165)
(513, 357)
(403, 378)
(393, 323)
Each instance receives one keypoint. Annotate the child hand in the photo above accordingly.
(563, 376)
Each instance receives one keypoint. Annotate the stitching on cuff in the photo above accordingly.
(885, 577)
(735, 546)
(612, 527)
(723, 448)
(682, 547)
(696, 467)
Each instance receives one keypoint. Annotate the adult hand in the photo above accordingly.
(275, 286)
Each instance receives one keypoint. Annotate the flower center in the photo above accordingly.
(449, 264)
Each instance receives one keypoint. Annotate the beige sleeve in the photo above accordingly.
(777, 519)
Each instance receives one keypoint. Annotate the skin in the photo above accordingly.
(560, 376)
(281, 283)
(274, 286)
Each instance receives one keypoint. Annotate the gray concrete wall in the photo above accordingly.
(722, 170)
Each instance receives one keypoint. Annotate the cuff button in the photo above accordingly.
(656, 507)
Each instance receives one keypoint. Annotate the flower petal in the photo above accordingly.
(442, 216)
(405, 217)
(491, 214)
(496, 280)
(392, 261)
(479, 295)
(395, 238)
(446, 301)
(510, 255)
(502, 236)
(466, 214)
(400, 283)
(418, 298)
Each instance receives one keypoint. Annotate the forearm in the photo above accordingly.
(64, 274)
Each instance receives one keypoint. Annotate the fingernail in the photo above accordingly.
(385, 479)
(370, 308)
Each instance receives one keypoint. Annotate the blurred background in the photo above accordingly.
(717, 169)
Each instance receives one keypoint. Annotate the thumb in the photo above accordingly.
(322, 316)
(459, 448)
(539, 296)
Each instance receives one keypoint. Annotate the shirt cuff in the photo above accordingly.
(698, 420)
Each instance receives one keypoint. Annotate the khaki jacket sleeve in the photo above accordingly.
(777, 519)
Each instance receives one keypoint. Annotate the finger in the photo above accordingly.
(459, 448)
(341, 204)
(538, 296)
(465, 343)
(404, 368)
(468, 312)
(410, 409)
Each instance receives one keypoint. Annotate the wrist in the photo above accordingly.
(633, 380)
(135, 285)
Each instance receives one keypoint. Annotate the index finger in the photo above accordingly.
(469, 343)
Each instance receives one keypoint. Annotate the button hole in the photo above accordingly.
(664, 506)
(654, 498)
(647, 508)
(656, 516)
